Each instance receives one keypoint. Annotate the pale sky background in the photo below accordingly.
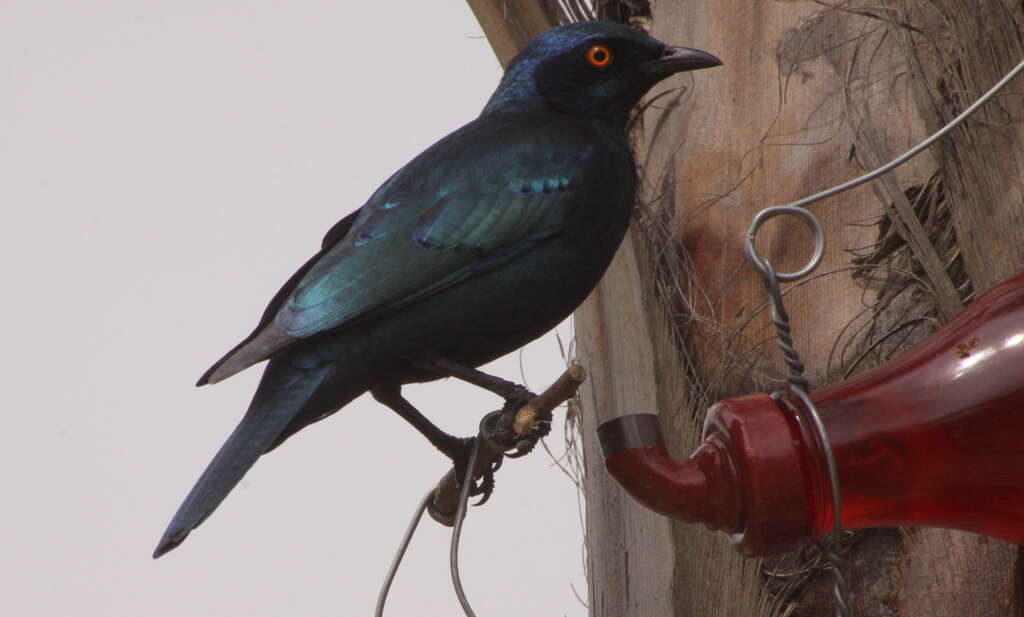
(164, 167)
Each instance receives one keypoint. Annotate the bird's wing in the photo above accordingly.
(230, 359)
(468, 204)
(416, 245)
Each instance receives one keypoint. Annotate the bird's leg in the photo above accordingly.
(511, 392)
(456, 448)
(514, 394)
(451, 446)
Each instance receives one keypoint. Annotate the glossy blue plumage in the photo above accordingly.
(480, 244)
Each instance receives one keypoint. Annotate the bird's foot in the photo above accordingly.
(459, 450)
(528, 442)
(486, 485)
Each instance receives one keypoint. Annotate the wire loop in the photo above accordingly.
(817, 234)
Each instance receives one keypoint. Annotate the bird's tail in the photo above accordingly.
(282, 393)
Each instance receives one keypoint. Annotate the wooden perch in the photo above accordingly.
(502, 433)
(540, 407)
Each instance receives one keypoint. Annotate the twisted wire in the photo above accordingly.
(799, 385)
(783, 331)
(840, 586)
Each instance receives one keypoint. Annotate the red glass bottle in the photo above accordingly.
(934, 438)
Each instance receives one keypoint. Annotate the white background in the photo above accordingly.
(164, 167)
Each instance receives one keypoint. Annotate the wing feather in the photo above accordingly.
(469, 203)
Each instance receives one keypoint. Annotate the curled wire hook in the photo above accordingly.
(762, 265)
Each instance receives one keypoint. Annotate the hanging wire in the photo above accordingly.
(909, 154)
(397, 561)
(460, 515)
(798, 384)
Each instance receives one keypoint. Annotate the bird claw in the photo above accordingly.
(485, 488)
(460, 461)
(526, 445)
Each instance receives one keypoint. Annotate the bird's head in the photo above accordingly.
(590, 70)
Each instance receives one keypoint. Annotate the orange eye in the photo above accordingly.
(599, 56)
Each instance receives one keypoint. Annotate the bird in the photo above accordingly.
(480, 244)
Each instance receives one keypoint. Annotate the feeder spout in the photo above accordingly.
(696, 489)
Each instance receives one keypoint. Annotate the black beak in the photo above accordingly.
(679, 59)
